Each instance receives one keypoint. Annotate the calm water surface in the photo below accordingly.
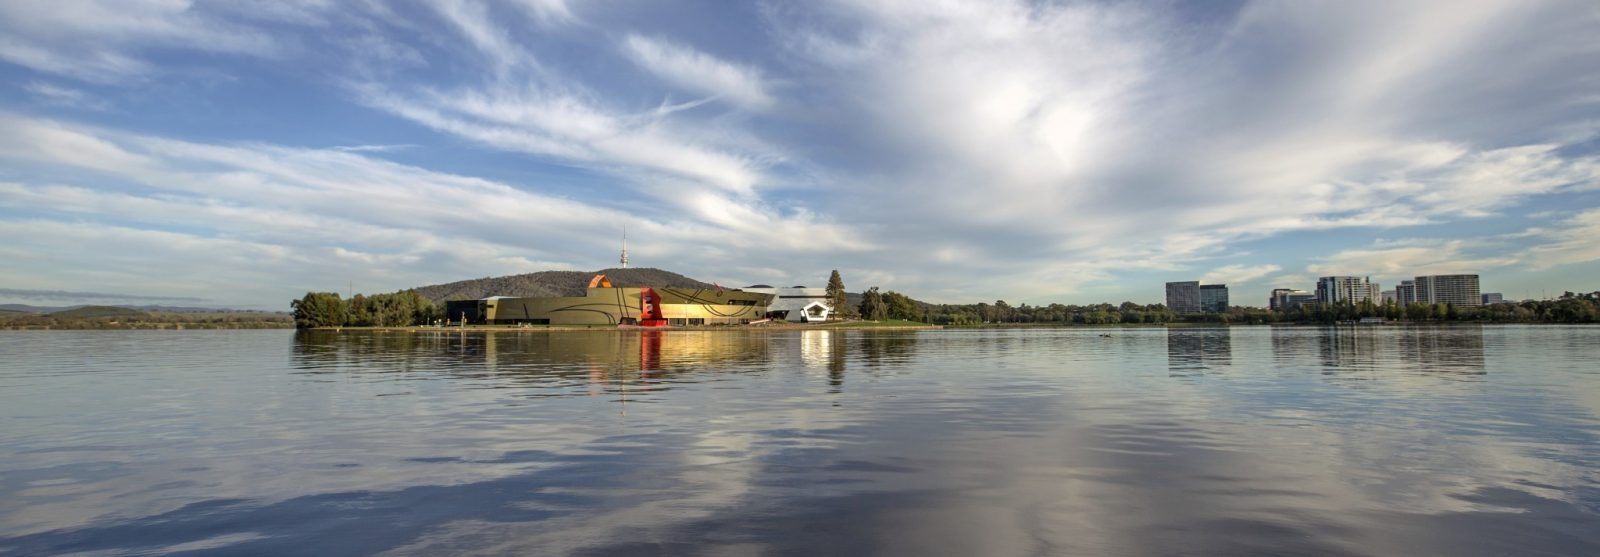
(1371, 441)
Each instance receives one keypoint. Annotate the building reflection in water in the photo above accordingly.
(1349, 350)
(815, 348)
(1357, 352)
(1456, 350)
(557, 361)
(607, 362)
(1194, 351)
(825, 349)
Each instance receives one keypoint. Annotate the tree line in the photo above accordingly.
(1569, 308)
(407, 307)
(877, 305)
(397, 309)
(1577, 309)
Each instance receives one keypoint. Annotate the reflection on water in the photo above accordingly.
(1195, 351)
(1371, 353)
(1245, 440)
(1450, 350)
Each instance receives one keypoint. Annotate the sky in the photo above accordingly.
(242, 153)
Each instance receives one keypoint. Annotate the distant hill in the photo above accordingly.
(154, 308)
(98, 311)
(553, 283)
(25, 308)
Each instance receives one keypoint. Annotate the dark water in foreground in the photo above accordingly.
(1373, 441)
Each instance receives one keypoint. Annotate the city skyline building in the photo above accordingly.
(1456, 290)
(1214, 298)
(1183, 297)
(1405, 293)
(1275, 299)
(1493, 298)
(1289, 298)
(1347, 289)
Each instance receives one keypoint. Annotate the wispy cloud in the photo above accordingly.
(697, 71)
(1411, 258)
(959, 150)
(297, 214)
(374, 148)
(1573, 240)
(56, 95)
(1238, 274)
(103, 40)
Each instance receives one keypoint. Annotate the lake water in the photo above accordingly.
(1249, 440)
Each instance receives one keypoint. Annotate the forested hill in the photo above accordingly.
(553, 283)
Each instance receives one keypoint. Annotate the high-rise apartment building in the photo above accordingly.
(1406, 293)
(1214, 298)
(1289, 299)
(1183, 297)
(1493, 298)
(1346, 289)
(1277, 298)
(1456, 290)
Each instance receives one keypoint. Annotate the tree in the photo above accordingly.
(900, 306)
(836, 295)
(325, 309)
(318, 309)
(873, 307)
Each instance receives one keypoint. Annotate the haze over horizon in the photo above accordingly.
(243, 153)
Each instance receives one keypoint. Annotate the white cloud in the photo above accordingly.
(1111, 134)
(1574, 240)
(473, 20)
(52, 94)
(979, 149)
(573, 130)
(1400, 260)
(697, 71)
(292, 215)
(100, 40)
(550, 11)
(1238, 274)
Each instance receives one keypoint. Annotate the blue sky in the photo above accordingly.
(242, 153)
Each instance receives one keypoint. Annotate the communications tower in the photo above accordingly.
(624, 246)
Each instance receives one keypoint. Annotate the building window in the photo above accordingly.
(697, 321)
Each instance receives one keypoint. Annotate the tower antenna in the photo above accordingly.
(624, 246)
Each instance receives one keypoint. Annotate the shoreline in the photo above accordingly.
(846, 326)
(849, 325)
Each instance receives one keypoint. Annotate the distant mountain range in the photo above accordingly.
(85, 312)
(41, 310)
(553, 283)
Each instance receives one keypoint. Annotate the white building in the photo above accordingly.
(796, 303)
(1347, 289)
(1456, 290)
